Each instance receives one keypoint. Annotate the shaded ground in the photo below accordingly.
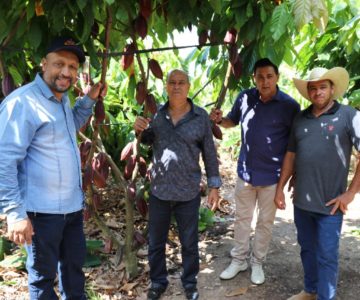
(282, 269)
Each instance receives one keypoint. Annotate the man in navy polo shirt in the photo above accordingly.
(265, 114)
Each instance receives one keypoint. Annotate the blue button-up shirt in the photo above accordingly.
(265, 129)
(176, 173)
(40, 167)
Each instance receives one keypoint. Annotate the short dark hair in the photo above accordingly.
(265, 62)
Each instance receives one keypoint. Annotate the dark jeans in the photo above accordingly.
(318, 236)
(187, 217)
(58, 246)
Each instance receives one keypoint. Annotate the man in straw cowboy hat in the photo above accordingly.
(319, 153)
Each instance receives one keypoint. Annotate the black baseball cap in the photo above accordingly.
(67, 44)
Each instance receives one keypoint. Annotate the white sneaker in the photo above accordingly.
(257, 274)
(234, 268)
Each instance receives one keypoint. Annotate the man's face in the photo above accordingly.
(266, 79)
(60, 71)
(177, 86)
(320, 93)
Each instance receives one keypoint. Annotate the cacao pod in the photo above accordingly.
(230, 36)
(100, 164)
(39, 10)
(142, 167)
(139, 238)
(127, 151)
(108, 246)
(98, 179)
(140, 92)
(95, 30)
(129, 168)
(145, 8)
(141, 205)
(86, 214)
(96, 200)
(84, 149)
(140, 26)
(213, 37)
(203, 36)
(99, 111)
(7, 84)
(237, 68)
(150, 104)
(87, 177)
(233, 54)
(131, 191)
(128, 57)
(155, 69)
(216, 131)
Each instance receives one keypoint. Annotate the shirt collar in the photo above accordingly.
(307, 112)
(44, 88)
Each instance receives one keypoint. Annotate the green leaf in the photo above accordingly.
(81, 3)
(110, 2)
(4, 247)
(249, 10)
(18, 79)
(92, 245)
(216, 5)
(30, 10)
(131, 88)
(16, 260)
(34, 35)
(279, 21)
(302, 12)
(91, 260)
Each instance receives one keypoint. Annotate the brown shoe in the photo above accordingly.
(303, 296)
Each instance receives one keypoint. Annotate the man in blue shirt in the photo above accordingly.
(40, 173)
(265, 114)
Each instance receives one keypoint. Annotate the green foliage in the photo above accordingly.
(206, 218)
(16, 260)
(4, 247)
(92, 258)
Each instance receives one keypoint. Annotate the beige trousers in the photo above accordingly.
(247, 198)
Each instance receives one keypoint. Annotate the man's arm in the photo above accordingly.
(83, 106)
(287, 170)
(16, 133)
(341, 202)
(216, 116)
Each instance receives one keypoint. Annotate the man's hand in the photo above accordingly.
(213, 198)
(280, 200)
(341, 202)
(216, 115)
(141, 124)
(21, 232)
(97, 90)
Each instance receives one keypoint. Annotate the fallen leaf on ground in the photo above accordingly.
(237, 292)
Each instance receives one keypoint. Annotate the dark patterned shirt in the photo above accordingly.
(176, 173)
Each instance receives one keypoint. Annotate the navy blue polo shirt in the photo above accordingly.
(265, 130)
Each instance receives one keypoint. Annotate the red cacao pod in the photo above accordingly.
(86, 214)
(141, 205)
(127, 151)
(203, 36)
(139, 238)
(233, 54)
(230, 36)
(129, 167)
(142, 167)
(96, 200)
(155, 68)
(140, 92)
(145, 8)
(131, 191)
(84, 149)
(99, 111)
(150, 104)
(98, 179)
(87, 177)
(128, 58)
(7, 84)
(108, 246)
(216, 131)
(140, 26)
(237, 68)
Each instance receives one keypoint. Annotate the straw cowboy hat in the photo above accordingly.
(338, 76)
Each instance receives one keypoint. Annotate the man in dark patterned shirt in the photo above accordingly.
(178, 133)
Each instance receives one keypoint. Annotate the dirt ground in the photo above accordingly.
(282, 268)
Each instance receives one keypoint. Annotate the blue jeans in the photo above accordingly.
(187, 217)
(318, 236)
(58, 246)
